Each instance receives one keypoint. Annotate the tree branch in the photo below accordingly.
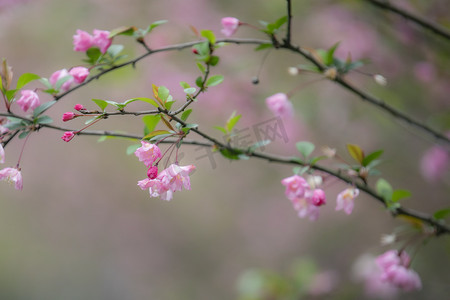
(419, 20)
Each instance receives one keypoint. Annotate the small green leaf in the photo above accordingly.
(43, 107)
(442, 214)
(223, 130)
(356, 152)
(163, 93)
(114, 50)
(384, 189)
(190, 91)
(232, 154)
(44, 120)
(46, 82)
(151, 121)
(213, 60)
(305, 148)
(157, 133)
(123, 30)
(278, 23)
(132, 148)
(263, 47)
(93, 55)
(371, 157)
(214, 80)
(232, 121)
(316, 159)
(209, 35)
(101, 103)
(10, 94)
(186, 114)
(154, 25)
(199, 81)
(259, 144)
(23, 134)
(184, 85)
(400, 194)
(26, 78)
(201, 67)
(300, 170)
(148, 100)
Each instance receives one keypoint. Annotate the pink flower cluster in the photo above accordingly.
(230, 26)
(76, 74)
(168, 181)
(435, 163)
(11, 175)
(307, 198)
(83, 41)
(395, 270)
(306, 201)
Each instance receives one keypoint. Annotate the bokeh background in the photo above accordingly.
(82, 229)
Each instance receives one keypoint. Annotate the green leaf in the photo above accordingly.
(44, 120)
(62, 80)
(114, 50)
(154, 25)
(26, 78)
(209, 35)
(186, 114)
(214, 80)
(10, 94)
(46, 82)
(330, 54)
(199, 81)
(190, 91)
(371, 157)
(259, 144)
(213, 60)
(223, 130)
(101, 103)
(14, 123)
(132, 148)
(264, 46)
(184, 85)
(400, 194)
(123, 30)
(442, 214)
(384, 189)
(232, 154)
(191, 125)
(93, 55)
(43, 107)
(157, 133)
(356, 152)
(148, 100)
(316, 159)
(305, 148)
(201, 67)
(278, 23)
(232, 121)
(23, 134)
(151, 121)
(163, 93)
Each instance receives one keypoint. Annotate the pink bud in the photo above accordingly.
(152, 172)
(79, 74)
(230, 26)
(67, 116)
(195, 51)
(318, 197)
(79, 107)
(280, 105)
(68, 136)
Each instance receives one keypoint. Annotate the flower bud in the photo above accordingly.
(380, 79)
(68, 136)
(331, 73)
(152, 172)
(67, 116)
(79, 107)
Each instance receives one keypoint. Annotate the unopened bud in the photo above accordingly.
(380, 79)
(331, 73)
(329, 152)
(293, 71)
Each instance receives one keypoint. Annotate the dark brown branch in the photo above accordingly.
(419, 20)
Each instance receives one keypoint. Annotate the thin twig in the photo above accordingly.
(434, 27)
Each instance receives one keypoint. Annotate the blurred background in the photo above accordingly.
(82, 229)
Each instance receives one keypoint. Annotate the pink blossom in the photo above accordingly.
(435, 162)
(296, 187)
(12, 175)
(29, 99)
(305, 207)
(152, 172)
(170, 180)
(79, 74)
(318, 197)
(67, 116)
(82, 41)
(101, 40)
(392, 257)
(148, 153)
(2, 154)
(402, 277)
(68, 136)
(79, 107)
(61, 74)
(280, 105)
(230, 26)
(345, 200)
